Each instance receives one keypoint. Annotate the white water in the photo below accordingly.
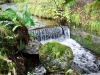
(84, 61)
(82, 57)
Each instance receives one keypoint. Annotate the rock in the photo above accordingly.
(72, 72)
(32, 47)
(55, 57)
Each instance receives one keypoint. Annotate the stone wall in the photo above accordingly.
(89, 41)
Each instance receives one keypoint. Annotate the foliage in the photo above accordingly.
(11, 22)
(53, 54)
(88, 36)
(72, 72)
(30, 73)
(19, 1)
(72, 3)
(17, 18)
(95, 26)
(26, 18)
(75, 18)
(75, 11)
(61, 3)
(54, 47)
(6, 65)
(13, 36)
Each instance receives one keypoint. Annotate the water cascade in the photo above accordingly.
(84, 61)
(51, 33)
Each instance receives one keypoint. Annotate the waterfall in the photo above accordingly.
(84, 61)
(52, 33)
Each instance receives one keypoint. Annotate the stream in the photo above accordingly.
(84, 61)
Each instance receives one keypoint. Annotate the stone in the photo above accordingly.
(32, 47)
(55, 57)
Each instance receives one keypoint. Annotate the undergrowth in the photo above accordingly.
(84, 14)
(13, 37)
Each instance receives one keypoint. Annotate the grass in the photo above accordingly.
(83, 15)
(86, 14)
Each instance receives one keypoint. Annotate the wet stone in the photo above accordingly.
(32, 47)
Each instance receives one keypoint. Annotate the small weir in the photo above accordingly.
(51, 33)
(84, 61)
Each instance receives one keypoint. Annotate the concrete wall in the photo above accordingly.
(89, 41)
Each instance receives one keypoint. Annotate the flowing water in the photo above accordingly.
(8, 5)
(84, 61)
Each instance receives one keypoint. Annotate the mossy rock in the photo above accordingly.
(55, 57)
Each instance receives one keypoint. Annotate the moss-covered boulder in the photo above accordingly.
(55, 57)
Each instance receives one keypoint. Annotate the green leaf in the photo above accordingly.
(11, 10)
(16, 27)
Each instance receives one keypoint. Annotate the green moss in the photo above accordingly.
(88, 36)
(54, 48)
(19, 1)
(72, 72)
(53, 55)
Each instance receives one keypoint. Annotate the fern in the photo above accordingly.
(24, 17)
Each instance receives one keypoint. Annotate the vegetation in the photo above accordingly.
(13, 25)
(88, 44)
(83, 14)
(19, 1)
(13, 37)
(72, 72)
(54, 47)
(54, 54)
